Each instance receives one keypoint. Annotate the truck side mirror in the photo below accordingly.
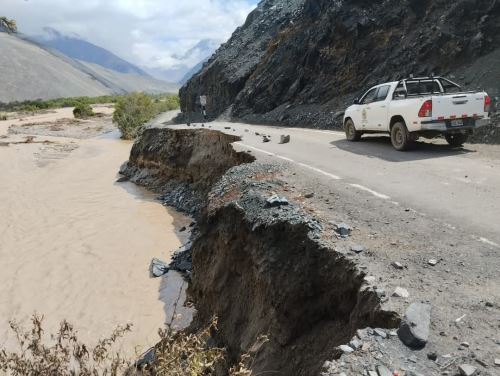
(356, 101)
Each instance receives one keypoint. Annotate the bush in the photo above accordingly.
(132, 112)
(82, 111)
(3, 116)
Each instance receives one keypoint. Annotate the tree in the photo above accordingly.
(132, 111)
(9, 26)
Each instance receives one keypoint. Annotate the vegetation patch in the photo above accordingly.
(37, 105)
(132, 111)
(3, 116)
(83, 111)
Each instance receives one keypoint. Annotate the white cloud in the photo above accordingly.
(152, 33)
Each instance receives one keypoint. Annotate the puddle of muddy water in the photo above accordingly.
(76, 245)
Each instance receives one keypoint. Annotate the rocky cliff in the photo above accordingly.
(301, 61)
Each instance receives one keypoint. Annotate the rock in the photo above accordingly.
(355, 344)
(182, 229)
(146, 359)
(400, 292)
(383, 371)
(309, 195)
(157, 268)
(467, 370)
(380, 333)
(432, 262)
(397, 265)
(346, 349)
(432, 356)
(284, 139)
(122, 179)
(414, 329)
(372, 373)
(465, 344)
(357, 248)
(343, 230)
(276, 201)
(227, 127)
(265, 139)
(497, 362)
(257, 133)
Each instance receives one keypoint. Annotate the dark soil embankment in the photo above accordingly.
(261, 270)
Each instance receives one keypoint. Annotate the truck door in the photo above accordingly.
(365, 108)
(379, 110)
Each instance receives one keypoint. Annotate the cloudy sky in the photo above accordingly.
(150, 33)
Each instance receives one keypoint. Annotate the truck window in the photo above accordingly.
(423, 87)
(450, 87)
(370, 96)
(399, 92)
(382, 93)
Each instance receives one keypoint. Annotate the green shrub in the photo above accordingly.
(3, 116)
(82, 111)
(132, 112)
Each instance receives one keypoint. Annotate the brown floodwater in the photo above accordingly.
(76, 245)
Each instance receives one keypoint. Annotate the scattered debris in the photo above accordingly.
(400, 292)
(284, 139)
(467, 370)
(157, 268)
(276, 201)
(414, 329)
(397, 265)
(357, 248)
(343, 230)
(346, 349)
(432, 262)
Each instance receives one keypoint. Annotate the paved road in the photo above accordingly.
(457, 187)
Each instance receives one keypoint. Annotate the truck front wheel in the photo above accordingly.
(400, 137)
(350, 131)
(456, 139)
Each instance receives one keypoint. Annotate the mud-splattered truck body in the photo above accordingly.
(418, 107)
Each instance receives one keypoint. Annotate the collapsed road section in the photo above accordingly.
(266, 266)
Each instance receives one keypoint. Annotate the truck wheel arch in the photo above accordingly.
(396, 119)
(347, 119)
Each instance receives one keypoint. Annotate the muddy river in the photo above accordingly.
(74, 244)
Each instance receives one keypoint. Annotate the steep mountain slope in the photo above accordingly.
(29, 71)
(82, 50)
(300, 61)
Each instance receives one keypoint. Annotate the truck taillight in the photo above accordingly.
(487, 103)
(426, 109)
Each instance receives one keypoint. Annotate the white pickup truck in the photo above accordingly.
(418, 107)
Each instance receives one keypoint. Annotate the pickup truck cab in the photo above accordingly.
(418, 107)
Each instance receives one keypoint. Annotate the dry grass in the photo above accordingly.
(62, 354)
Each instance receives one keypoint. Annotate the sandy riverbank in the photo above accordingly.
(74, 244)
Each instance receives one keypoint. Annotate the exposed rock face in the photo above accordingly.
(300, 61)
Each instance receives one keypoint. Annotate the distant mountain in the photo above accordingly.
(187, 63)
(78, 48)
(30, 71)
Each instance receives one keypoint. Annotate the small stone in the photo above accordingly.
(465, 344)
(284, 139)
(414, 329)
(343, 230)
(393, 333)
(380, 292)
(276, 201)
(432, 356)
(357, 248)
(397, 265)
(370, 279)
(309, 195)
(400, 292)
(380, 333)
(123, 179)
(265, 139)
(413, 359)
(182, 229)
(346, 349)
(355, 344)
(432, 262)
(467, 370)
(383, 371)
(497, 362)
(372, 373)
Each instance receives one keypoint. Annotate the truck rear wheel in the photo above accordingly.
(456, 139)
(400, 137)
(350, 131)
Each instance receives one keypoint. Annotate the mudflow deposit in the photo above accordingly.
(301, 62)
(336, 283)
